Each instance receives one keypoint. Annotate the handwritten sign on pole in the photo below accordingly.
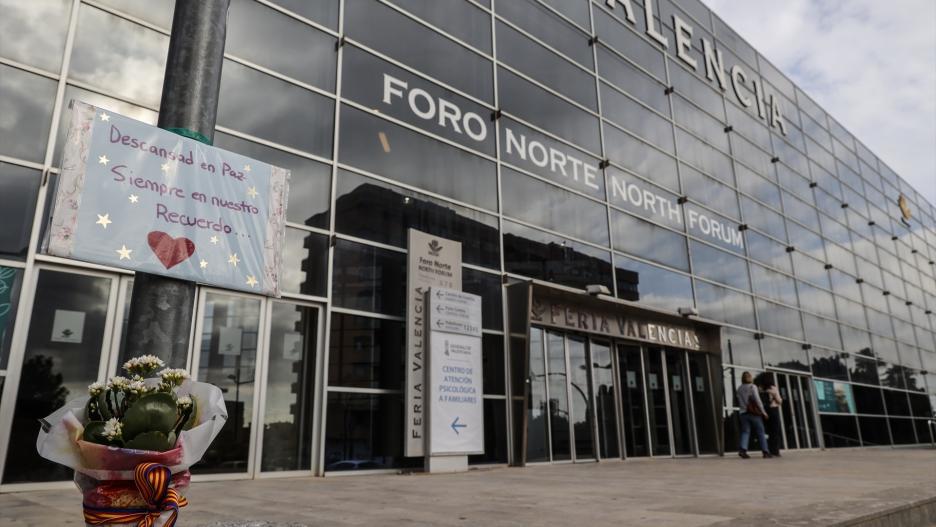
(134, 196)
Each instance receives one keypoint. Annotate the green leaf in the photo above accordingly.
(155, 441)
(94, 433)
(154, 412)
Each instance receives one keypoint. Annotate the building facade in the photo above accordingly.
(639, 145)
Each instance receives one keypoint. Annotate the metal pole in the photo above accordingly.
(161, 308)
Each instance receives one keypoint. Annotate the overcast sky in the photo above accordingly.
(870, 63)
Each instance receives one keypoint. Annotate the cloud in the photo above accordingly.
(870, 64)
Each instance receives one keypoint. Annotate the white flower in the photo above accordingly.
(137, 387)
(95, 389)
(113, 429)
(184, 402)
(143, 365)
(173, 376)
(118, 383)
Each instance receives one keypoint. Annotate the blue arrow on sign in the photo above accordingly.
(456, 425)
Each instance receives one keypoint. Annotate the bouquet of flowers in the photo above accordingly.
(132, 440)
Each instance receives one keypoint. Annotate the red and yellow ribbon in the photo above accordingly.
(152, 481)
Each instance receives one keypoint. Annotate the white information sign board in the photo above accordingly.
(432, 262)
(456, 406)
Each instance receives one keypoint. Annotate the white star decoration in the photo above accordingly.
(124, 252)
(246, 168)
(102, 160)
(203, 264)
(251, 281)
(105, 117)
(233, 259)
(165, 167)
(104, 220)
(134, 198)
(252, 192)
(214, 240)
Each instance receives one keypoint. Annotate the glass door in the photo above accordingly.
(288, 388)
(680, 406)
(537, 448)
(808, 411)
(605, 395)
(703, 403)
(66, 350)
(580, 394)
(656, 402)
(557, 386)
(227, 338)
(786, 413)
(633, 403)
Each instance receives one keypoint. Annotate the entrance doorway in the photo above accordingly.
(602, 399)
(797, 415)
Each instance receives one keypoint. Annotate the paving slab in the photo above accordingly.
(800, 489)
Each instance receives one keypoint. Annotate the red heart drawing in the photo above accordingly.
(170, 251)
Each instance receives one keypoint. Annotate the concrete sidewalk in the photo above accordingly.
(801, 489)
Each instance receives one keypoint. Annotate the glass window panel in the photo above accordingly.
(55, 369)
(647, 240)
(779, 320)
(784, 354)
(773, 285)
(697, 91)
(632, 80)
(364, 432)
(518, 51)
(714, 228)
(305, 263)
(829, 364)
(703, 157)
(741, 348)
(266, 107)
(11, 279)
(756, 186)
(157, 12)
(544, 156)
(281, 43)
(628, 114)
(26, 102)
(530, 102)
(816, 300)
(324, 12)
(545, 205)
(390, 150)
(822, 331)
(651, 285)
(699, 123)
(726, 305)
(839, 431)
(536, 254)
(621, 38)
(866, 371)
(752, 129)
(789, 155)
(762, 218)
(644, 199)
(806, 241)
(369, 278)
(458, 18)
(495, 434)
(309, 181)
(381, 27)
(238, 318)
(540, 22)
(768, 251)
(366, 352)
(34, 32)
(374, 210)
(17, 207)
(855, 340)
(118, 55)
(391, 90)
(488, 287)
(290, 388)
(709, 192)
(720, 266)
(638, 156)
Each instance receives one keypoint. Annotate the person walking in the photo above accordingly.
(774, 402)
(752, 415)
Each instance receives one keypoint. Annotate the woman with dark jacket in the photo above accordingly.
(772, 401)
(752, 415)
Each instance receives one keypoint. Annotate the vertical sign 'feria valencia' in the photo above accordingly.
(134, 196)
(431, 262)
(454, 380)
